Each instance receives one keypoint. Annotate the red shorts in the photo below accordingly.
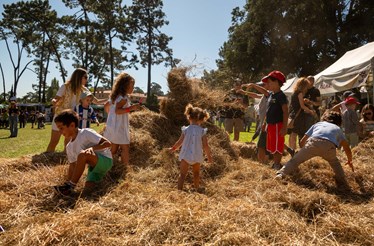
(275, 141)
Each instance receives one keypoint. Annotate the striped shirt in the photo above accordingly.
(85, 116)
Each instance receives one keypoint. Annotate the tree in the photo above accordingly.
(138, 90)
(288, 35)
(152, 43)
(35, 26)
(2, 76)
(18, 70)
(92, 33)
(156, 89)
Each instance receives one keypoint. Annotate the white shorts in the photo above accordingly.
(54, 126)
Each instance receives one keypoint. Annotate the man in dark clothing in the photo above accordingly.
(234, 115)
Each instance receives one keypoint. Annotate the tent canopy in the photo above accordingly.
(350, 71)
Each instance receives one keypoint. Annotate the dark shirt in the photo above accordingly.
(274, 113)
(294, 105)
(312, 94)
(235, 112)
(13, 111)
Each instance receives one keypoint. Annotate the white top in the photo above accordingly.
(74, 99)
(118, 125)
(85, 139)
(192, 146)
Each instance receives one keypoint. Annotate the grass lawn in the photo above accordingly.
(33, 140)
(29, 141)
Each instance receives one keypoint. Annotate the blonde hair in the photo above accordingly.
(196, 113)
(75, 81)
(301, 85)
(121, 85)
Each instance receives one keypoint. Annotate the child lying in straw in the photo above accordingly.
(322, 139)
(85, 147)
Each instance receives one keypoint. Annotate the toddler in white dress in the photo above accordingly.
(193, 141)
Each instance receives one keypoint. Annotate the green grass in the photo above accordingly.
(33, 140)
(29, 141)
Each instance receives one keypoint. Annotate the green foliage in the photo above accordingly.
(152, 43)
(300, 37)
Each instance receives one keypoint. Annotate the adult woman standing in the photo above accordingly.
(67, 97)
(299, 111)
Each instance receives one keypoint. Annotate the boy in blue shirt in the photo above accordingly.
(322, 139)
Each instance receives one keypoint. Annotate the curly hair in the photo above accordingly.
(121, 85)
(332, 117)
(196, 113)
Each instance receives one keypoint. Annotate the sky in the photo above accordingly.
(198, 27)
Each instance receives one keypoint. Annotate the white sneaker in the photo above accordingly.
(279, 176)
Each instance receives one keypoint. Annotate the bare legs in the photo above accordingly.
(124, 153)
(183, 173)
(76, 169)
(55, 138)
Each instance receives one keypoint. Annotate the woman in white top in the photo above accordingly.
(193, 141)
(67, 97)
(117, 126)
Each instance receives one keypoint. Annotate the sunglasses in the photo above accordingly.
(368, 113)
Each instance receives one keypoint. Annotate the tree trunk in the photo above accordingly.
(2, 75)
(45, 78)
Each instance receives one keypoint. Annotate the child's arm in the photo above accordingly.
(348, 153)
(103, 144)
(283, 131)
(337, 107)
(207, 149)
(121, 110)
(260, 89)
(303, 141)
(177, 144)
(107, 107)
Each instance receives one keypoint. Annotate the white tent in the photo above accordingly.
(287, 87)
(350, 71)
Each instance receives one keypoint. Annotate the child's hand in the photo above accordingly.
(136, 106)
(283, 131)
(349, 163)
(88, 151)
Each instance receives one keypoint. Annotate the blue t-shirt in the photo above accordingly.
(274, 113)
(328, 131)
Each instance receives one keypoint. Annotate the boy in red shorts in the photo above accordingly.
(276, 116)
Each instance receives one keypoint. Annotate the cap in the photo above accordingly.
(85, 94)
(347, 94)
(351, 100)
(275, 74)
(260, 83)
(13, 99)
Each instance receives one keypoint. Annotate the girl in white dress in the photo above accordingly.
(193, 141)
(117, 128)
